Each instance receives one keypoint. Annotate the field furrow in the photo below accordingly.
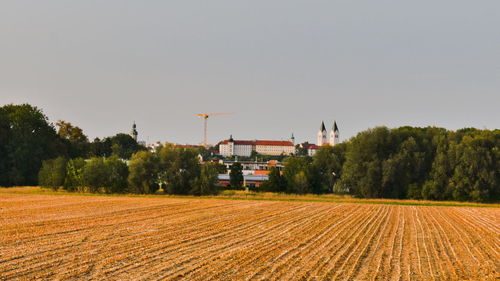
(49, 237)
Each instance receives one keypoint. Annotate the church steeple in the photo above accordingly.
(134, 133)
(321, 137)
(334, 134)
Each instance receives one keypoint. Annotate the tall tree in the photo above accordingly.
(276, 182)
(95, 174)
(179, 168)
(117, 175)
(205, 183)
(143, 176)
(476, 176)
(236, 175)
(328, 161)
(123, 146)
(299, 175)
(77, 142)
(74, 175)
(26, 140)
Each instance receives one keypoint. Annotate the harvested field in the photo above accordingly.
(120, 238)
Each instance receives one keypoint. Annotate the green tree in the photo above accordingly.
(95, 174)
(26, 140)
(143, 173)
(276, 182)
(117, 175)
(179, 169)
(328, 161)
(74, 175)
(436, 186)
(53, 173)
(299, 175)
(205, 184)
(123, 146)
(77, 142)
(301, 183)
(236, 175)
(476, 177)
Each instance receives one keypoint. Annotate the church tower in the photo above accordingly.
(134, 133)
(321, 135)
(334, 134)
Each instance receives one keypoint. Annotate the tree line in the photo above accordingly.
(405, 163)
(176, 170)
(27, 138)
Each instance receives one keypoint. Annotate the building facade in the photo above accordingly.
(233, 147)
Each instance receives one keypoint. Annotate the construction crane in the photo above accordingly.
(205, 119)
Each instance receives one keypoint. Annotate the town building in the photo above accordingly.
(248, 180)
(231, 147)
(254, 167)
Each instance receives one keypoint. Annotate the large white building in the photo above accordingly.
(233, 147)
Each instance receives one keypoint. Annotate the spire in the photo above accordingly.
(231, 138)
(134, 132)
(335, 128)
(323, 128)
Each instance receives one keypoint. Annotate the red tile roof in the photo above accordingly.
(260, 142)
(276, 143)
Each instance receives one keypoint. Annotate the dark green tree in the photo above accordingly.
(476, 176)
(117, 175)
(179, 168)
(143, 173)
(95, 174)
(52, 173)
(298, 174)
(236, 175)
(276, 182)
(123, 146)
(328, 162)
(26, 140)
(205, 183)
(77, 143)
(74, 175)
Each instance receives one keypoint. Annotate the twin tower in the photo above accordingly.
(322, 135)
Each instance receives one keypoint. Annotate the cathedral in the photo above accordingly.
(322, 137)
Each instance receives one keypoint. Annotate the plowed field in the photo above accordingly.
(121, 238)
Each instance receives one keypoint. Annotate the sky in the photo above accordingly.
(283, 66)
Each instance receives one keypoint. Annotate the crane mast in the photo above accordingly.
(205, 123)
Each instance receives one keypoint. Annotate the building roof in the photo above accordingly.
(335, 128)
(260, 142)
(272, 142)
(246, 177)
(322, 128)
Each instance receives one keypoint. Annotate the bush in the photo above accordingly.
(52, 173)
(74, 175)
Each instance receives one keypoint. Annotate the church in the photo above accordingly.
(323, 135)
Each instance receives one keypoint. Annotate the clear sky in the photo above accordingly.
(282, 66)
